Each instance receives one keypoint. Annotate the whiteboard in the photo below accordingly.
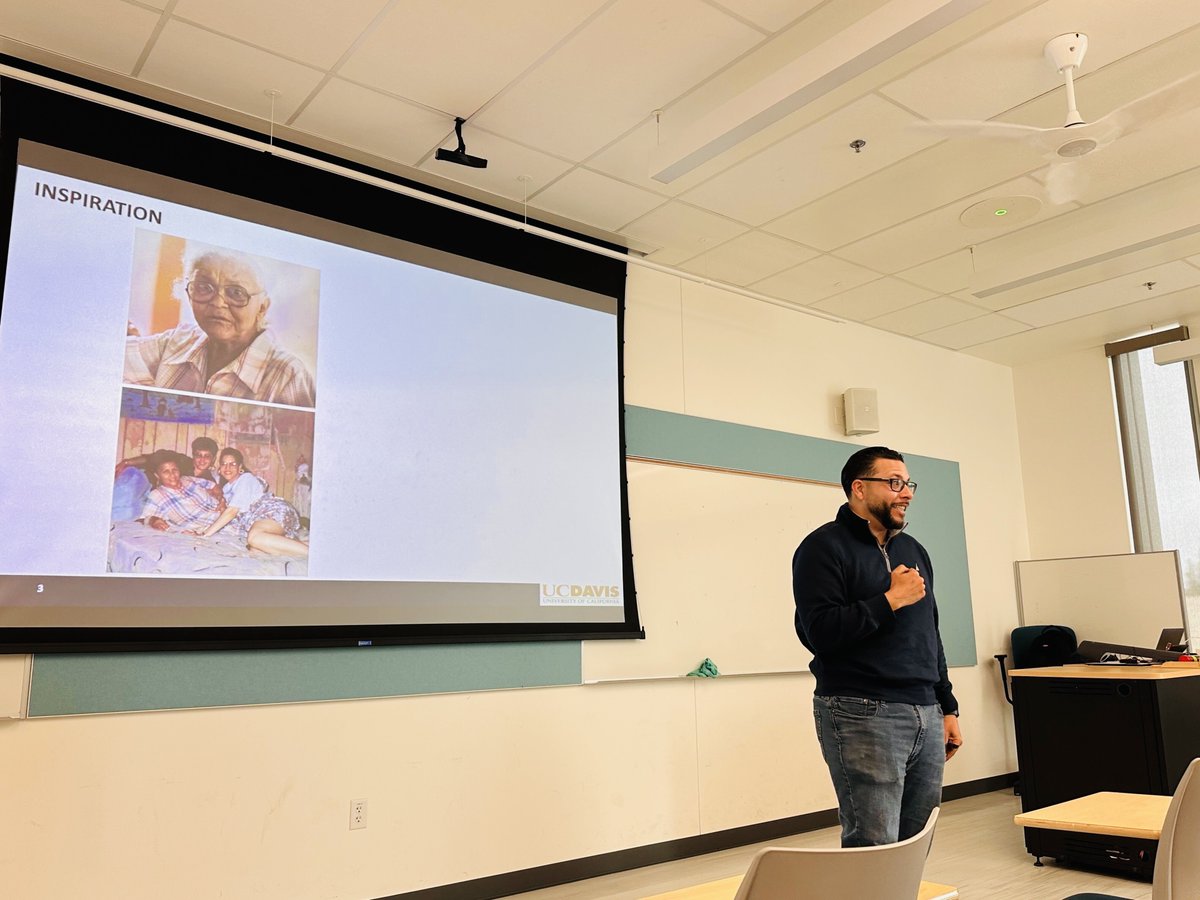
(712, 557)
(1126, 598)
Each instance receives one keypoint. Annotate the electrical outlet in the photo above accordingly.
(358, 814)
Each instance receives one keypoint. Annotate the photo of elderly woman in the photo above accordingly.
(212, 320)
(182, 505)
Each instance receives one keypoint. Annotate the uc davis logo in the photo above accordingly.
(567, 594)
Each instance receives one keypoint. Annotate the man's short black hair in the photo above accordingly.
(862, 463)
(205, 443)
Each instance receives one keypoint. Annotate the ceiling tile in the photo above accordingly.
(1089, 332)
(1093, 298)
(815, 280)
(967, 297)
(937, 233)
(313, 33)
(748, 257)
(943, 275)
(922, 182)
(771, 15)
(727, 86)
(812, 162)
(350, 115)
(1004, 67)
(682, 230)
(875, 299)
(1116, 236)
(596, 199)
(636, 56)
(629, 160)
(106, 33)
(507, 163)
(201, 64)
(927, 316)
(457, 56)
(988, 327)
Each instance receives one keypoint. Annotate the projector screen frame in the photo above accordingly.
(119, 137)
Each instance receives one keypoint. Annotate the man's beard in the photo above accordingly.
(887, 515)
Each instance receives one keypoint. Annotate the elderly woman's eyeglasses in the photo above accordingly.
(205, 292)
(896, 484)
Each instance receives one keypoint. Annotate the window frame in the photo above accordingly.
(1144, 532)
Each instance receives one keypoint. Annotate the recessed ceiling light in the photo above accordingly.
(998, 212)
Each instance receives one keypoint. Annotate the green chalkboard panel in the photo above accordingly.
(653, 434)
(70, 683)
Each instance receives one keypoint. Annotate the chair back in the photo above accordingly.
(1177, 866)
(886, 872)
(1034, 646)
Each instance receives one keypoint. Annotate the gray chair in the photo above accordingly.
(886, 872)
(1177, 865)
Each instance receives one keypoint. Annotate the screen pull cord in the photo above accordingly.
(524, 179)
(274, 95)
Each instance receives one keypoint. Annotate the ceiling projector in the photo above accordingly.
(461, 156)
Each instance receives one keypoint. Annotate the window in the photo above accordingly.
(1157, 410)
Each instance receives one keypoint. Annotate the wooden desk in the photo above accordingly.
(1088, 729)
(726, 888)
(1165, 672)
(1108, 812)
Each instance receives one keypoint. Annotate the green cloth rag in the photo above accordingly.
(706, 669)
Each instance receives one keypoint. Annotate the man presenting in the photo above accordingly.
(886, 716)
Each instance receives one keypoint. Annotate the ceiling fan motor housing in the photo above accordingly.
(1067, 50)
(1080, 147)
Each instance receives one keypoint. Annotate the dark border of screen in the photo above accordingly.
(38, 115)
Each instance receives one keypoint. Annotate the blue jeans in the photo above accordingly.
(886, 760)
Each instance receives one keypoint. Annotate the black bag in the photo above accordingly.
(1034, 646)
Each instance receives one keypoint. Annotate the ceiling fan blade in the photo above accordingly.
(1043, 141)
(1176, 97)
(1003, 131)
(1066, 180)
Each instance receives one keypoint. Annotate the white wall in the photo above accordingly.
(254, 802)
(1071, 457)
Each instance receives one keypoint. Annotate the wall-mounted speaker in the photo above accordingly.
(862, 410)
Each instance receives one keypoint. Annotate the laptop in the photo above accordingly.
(1171, 639)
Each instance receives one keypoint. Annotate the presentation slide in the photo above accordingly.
(217, 412)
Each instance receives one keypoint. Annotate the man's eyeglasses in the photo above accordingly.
(205, 292)
(896, 484)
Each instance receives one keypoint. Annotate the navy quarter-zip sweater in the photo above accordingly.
(860, 647)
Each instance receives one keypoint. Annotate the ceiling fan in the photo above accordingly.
(1076, 138)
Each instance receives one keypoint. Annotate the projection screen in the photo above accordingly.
(229, 421)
